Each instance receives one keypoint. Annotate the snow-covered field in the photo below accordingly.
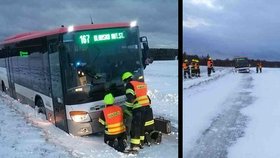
(25, 133)
(232, 115)
(162, 80)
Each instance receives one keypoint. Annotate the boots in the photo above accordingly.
(158, 139)
(135, 147)
(156, 136)
(148, 139)
(141, 144)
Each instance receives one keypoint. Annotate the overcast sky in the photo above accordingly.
(157, 19)
(228, 28)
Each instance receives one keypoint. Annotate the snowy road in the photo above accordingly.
(25, 133)
(214, 120)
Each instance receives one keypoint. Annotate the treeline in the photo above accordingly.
(163, 54)
(229, 62)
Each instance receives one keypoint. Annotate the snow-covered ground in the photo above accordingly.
(162, 80)
(261, 138)
(233, 115)
(25, 133)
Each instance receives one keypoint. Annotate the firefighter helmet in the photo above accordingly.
(109, 99)
(126, 75)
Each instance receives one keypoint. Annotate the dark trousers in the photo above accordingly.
(148, 117)
(193, 72)
(137, 126)
(187, 71)
(198, 72)
(118, 142)
(209, 70)
(149, 125)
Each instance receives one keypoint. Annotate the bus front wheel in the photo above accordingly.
(3, 87)
(41, 106)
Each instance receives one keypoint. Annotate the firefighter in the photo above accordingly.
(196, 67)
(112, 118)
(260, 67)
(186, 69)
(193, 70)
(210, 66)
(138, 102)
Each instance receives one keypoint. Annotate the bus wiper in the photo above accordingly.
(98, 53)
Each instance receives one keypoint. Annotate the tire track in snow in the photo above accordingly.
(227, 127)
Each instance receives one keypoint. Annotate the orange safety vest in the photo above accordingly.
(196, 66)
(140, 89)
(184, 66)
(209, 64)
(114, 120)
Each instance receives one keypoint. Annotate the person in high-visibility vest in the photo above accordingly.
(112, 118)
(193, 70)
(138, 102)
(260, 67)
(196, 67)
(257, 68)
(209, 66)
(186, 69)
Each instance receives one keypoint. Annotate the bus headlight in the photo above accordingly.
(80, 116)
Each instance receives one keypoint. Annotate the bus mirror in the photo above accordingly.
(145, 49)
(143, 39)
(144, 42)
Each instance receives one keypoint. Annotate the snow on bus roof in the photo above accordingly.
(37, 34)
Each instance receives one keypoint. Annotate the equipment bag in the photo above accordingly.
(153, 137)
(162, 125)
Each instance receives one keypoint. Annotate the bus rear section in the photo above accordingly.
(67, 73)
(241, 65)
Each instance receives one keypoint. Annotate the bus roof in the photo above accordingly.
(38, 34)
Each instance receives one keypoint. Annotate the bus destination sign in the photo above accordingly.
(89, 37)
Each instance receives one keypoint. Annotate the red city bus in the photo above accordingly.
(66, 72)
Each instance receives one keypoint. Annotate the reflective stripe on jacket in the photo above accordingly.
(113, 120)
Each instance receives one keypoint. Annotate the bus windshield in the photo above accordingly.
(241, 62)
(96, 59)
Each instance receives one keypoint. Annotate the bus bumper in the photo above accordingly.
(243, 70)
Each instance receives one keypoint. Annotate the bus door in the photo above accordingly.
(10, 71)
(56, 87)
